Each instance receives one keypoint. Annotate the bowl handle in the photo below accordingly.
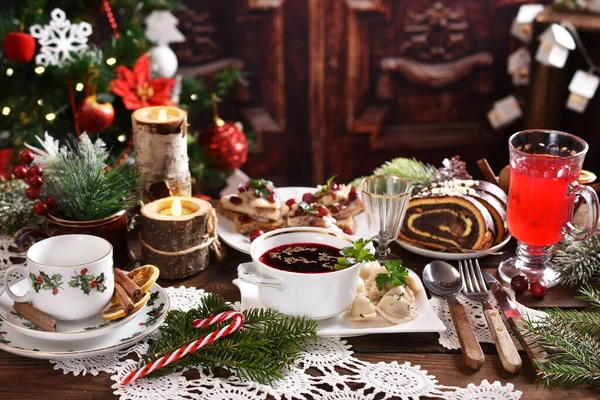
(246, 274)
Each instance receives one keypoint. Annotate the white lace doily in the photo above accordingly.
(326, 371)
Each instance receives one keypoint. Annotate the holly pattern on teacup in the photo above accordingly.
(2, 333)
(44, 282)
(88, 282)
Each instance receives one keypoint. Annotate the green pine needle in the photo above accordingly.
(16, 210)
(419, 173)
(578, 262)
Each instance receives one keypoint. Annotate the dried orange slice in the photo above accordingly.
(144, 276)
(115, 311)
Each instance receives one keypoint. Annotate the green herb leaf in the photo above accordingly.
(261, 187)
(354, 254)
(396, 275)
(324, 189)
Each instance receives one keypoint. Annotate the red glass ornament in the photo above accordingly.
(20, 172)
(225, 144)
(27, 156)
(19, 46)
(35, 181)
(32, 193)
(35, 170)
(40, 208)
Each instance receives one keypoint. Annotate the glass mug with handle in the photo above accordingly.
(544, 167)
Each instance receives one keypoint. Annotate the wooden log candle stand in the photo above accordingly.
(160, 144)
(177, 234)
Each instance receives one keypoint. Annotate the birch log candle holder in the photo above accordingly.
(160, 144)
(177, 234)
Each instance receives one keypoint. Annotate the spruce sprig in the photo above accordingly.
(570, 338)
(577, 262)
(419, 173)
(261, 350)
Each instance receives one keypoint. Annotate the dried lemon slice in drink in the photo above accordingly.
(144, 276)
(115, 311)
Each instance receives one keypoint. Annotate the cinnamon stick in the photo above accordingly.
(44, 321)
(487, 171)
(132, 289)
(123, 298)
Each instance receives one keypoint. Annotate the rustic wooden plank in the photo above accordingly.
(211, 68)
(371, 120)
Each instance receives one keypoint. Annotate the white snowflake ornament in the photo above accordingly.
(60, 38)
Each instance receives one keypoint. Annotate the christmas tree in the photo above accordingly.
(70, 67)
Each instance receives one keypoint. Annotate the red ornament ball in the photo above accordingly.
(94, 115)
(35, 181)
(27, 156)
(51, 203)
(225, 144)
(19, 46)
(40, 208)
(20, 172)
(35, 170)
(32, 193)
(538, 288)
(519, 283)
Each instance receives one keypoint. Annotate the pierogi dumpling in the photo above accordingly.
(361, 310)
(398, 305)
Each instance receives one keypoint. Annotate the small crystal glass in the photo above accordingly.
(385, 199)
(544, 167)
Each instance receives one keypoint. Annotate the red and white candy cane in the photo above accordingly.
(238, 321)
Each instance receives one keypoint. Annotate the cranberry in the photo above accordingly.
(308, 198)
(272, 196)
(255, 234)
(352, 195)
(94, 284)
(51, 203)
(27, 156)
(348, 231)
(40, 208)
(335, 209)
(35, 170)
(290, 202)
(519, 283)
(333, 186)
(235, 200)
(322, 210)
(241, 188)
(84, 271)
(244, 218)
(538, 288)
(55, 291)
(20, 172)
(332, 194)
(32, 193)
(35, 181)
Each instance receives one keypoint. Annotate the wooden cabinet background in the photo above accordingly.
(340, 86)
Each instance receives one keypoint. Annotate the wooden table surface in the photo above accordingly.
(25, 378)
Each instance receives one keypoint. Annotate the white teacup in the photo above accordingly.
(71, 276)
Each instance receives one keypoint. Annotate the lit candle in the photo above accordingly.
(162, 115)
(176, 209)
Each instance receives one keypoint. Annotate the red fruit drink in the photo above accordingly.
(538, 202)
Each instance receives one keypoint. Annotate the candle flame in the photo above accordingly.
(162, 115)
(176, 208)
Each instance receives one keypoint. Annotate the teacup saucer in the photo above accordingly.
(141, 325)
(65, 330)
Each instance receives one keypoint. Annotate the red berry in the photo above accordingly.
(322, 210)
(352, 195)
(332, 194)
(32, 193)
(519, 283)
(538, 288)
(333, 186)
(51, 203)
(40, 208)
(84, 271)
(256, 233)
(308, 198)
(38, 279)
(27, 156)
(55, 291)
(335, 209)
(290, 202)
(243, 188)
(94, 284)
(272, 196)
(348, 231)
(235, 200)
(20, 172)
(35, 170)
(35, 181)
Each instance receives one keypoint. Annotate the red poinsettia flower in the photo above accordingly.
(137, 89)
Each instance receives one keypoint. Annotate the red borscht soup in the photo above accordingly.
(307, 258)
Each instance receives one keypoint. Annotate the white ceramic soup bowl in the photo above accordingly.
(70, 276)
(316, 295)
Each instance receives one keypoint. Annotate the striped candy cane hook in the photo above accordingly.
(238, 321)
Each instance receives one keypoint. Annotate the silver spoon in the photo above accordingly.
(444, 280)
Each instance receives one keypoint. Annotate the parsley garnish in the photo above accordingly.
(261, 187)
(324, 189)
(308, 208)
(354, 254)
(396, 275)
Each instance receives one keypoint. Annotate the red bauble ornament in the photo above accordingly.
(20, 172)
(19, 46)
(32, 193)
(51, 203)
(35, 170)
(40, 208)
(94, 115)
(35, 181)
(27, 156)
(225, 144)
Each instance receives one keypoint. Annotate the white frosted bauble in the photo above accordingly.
(163, 61)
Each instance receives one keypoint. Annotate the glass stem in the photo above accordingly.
(382, 249)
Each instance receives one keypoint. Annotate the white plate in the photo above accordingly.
(143, 324)
(440, 255)
(427, 321)
(65, 330)
(240, 242)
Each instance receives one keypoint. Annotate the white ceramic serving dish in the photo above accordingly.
(240, 242)
(440, 255)
(317, 296)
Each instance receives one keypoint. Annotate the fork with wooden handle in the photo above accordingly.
(476, 289)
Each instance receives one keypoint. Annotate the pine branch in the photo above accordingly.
(267, 344)
(409, 168)
(16, 210)
(578, 262)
